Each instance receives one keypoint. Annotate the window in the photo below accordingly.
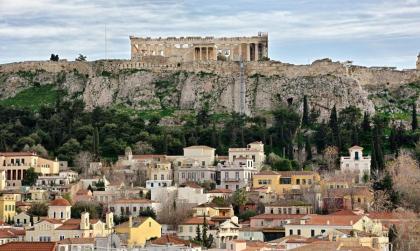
(272, 211)
(183, 175)
(286, 180)
(312, 232)
(203, 163)
(289, 210)
(62, 215)
(155, 177)
(297, 181)
(150, 224)
(304, 181)
(237, 187)
(237, 175)
(180, 229)
(191, 229)
(297, 211)
(298, 232)
(322, 231)
(291, 232)
(61, 237)
(227, 186)
(162, 177)
(226, 175)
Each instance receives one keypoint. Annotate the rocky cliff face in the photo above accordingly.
(154, 88)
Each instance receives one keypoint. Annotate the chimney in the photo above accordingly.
(130, 221)
(109, 221)
(84, 221)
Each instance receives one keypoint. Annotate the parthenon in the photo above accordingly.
(190, 49)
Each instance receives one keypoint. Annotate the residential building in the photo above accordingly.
(15, 165)
(193, 194)
(347, 198)
(219, 193)
(318, 225)
(203, 154)
(192, 170)
(11, 235)
(272, 225)
(158, 183)
(254, 151)
(187, 230)
(227, 231)
(161, 170)
(289, 207)
(132, 206)
(251, 234)
(139, 230)
(24, 246)
(83, 195)
(213, 210)
(57, 229)
(7, 207)
(61, 179)
(76, 244)
(283, 181)
(356, 163)
(170, 242)
(22, 219)
(237, 174)
(59, 209)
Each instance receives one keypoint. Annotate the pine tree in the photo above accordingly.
(305, 117)
(205, 228)
(414, 124)
(308, 149)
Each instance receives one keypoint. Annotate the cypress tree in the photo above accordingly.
(308, 149)
(95, 143)
(366, 123)
(198, 236)
(305, 117)
(204, 232)
(335, 130)
(414, 124)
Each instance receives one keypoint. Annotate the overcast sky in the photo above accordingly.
(368, 32)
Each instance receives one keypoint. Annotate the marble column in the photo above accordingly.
(256, 52)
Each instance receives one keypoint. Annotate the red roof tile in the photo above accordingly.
(220, 190)
(60, 202)
(197, 221)
(277, 216)
(77, 241)
(169, 239)
(28, 246)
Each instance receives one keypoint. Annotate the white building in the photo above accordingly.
(254, 151)
(203, 154)
(158, 183)
(356, 162)
(237, 174)
(132, 207)
(59, 209)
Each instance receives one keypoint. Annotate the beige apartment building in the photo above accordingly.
(254, 151)
(15, 165)
(192, 49)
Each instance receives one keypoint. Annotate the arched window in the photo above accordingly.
(62, 215)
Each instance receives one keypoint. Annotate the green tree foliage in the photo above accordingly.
(30, 177)
(247, 214)
(239, 198)
(38, 209)
(286, 123)
(305, 115)
(414, 122)
(81, 58)
(94, 209)
(335, 130)
(148, 212)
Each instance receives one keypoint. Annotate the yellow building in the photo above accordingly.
(15, 165)
(7, 207)
(139, 230)
(283, 181)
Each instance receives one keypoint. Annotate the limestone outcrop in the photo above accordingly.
(216, 85)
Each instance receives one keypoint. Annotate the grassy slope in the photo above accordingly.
(33, 98)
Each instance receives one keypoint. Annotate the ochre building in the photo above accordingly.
(190, 49)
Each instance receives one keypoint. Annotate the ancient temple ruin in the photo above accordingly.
(190, 49)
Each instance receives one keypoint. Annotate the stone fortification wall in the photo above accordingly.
(366, 76)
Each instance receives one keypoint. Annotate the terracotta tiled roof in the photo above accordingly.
(343, 212)
(191, 184)
(277, 216)
(12, 154)
(170, 239)
(198, 147)
(60, 202)
(267, 173)
(284, 203)
(197, 221)
(22, 203)
(11, 233)
(82, 192)
(334, 220)
(341, 192)
(28, 246)
(292, 173)
(137, 221)
(319, 245)
(53, 221)
(220, 190)
(77, 241)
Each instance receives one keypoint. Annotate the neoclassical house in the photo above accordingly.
(356, 163)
